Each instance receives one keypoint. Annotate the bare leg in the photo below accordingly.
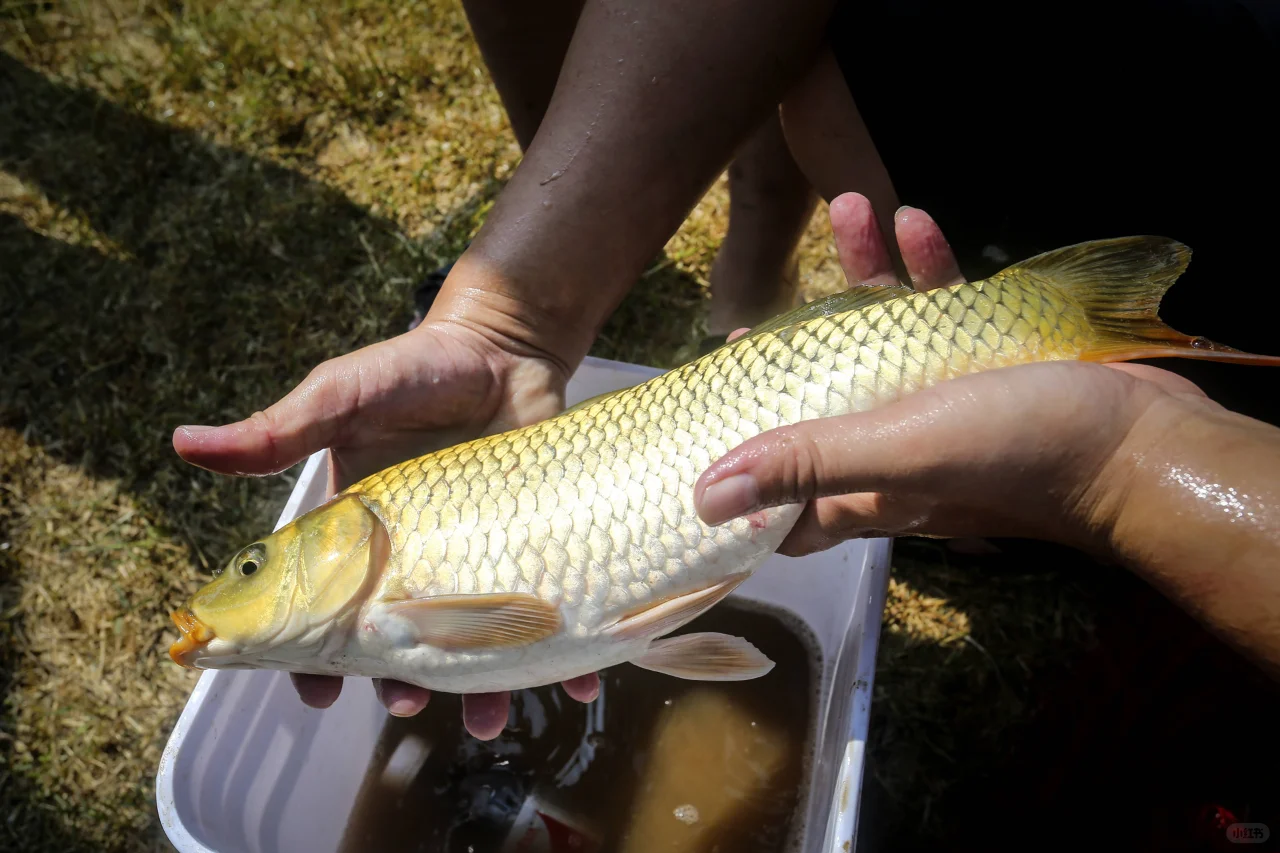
(770, 202)
(523, 45)
(832, 147)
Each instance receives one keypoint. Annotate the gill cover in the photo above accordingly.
(306, 575)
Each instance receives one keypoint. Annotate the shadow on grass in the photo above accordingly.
(218, 280)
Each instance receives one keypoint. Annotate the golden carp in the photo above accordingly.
(556, 550)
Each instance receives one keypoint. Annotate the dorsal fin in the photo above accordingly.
(858, 296)
(591, 401)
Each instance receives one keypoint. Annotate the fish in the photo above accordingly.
(571, 545)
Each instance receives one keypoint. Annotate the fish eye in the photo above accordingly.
(250, 559)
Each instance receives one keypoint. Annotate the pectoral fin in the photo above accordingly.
(668, 614)
(705, 657)
(479, 622)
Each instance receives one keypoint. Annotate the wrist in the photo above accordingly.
(521, 384)
(1131, 515)
(511, 316)
(1109, 491)
(551, 263)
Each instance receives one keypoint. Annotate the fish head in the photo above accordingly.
(286, 592)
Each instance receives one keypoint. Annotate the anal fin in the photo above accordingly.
(705, 657)
(479, 622)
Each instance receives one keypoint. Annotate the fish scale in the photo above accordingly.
(603, 497)
(570, 545)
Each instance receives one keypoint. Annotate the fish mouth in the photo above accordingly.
(196, 636)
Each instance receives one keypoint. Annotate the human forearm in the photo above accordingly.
(652, 101)
(1199, 517)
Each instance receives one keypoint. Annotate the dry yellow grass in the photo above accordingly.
(198, 203)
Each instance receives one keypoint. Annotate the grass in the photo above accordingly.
(199, 202)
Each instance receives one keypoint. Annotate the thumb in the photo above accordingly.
(975, 434)
(307, 419)
(944, 435)
(862, 452)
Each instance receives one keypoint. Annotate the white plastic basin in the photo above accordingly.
(249, 768)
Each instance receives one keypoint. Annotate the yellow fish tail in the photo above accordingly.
(1119, 283)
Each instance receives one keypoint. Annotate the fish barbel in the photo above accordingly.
(555, 550)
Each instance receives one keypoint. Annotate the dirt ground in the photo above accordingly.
(200, 201)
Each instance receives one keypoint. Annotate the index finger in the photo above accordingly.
(864, 256)
(925, 251)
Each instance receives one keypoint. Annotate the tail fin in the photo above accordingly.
(1120, 284)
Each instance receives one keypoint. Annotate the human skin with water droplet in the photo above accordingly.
(571, 545)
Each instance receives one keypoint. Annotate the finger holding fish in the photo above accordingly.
(925, 251)
(1013, 452)
(864, 254)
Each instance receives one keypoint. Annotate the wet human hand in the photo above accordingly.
(456, 376)
(1021, 451)
(1025, 451)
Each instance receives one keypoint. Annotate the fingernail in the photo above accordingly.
(196, 430)
(403, 708)
(904, 209)
(729, 498)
